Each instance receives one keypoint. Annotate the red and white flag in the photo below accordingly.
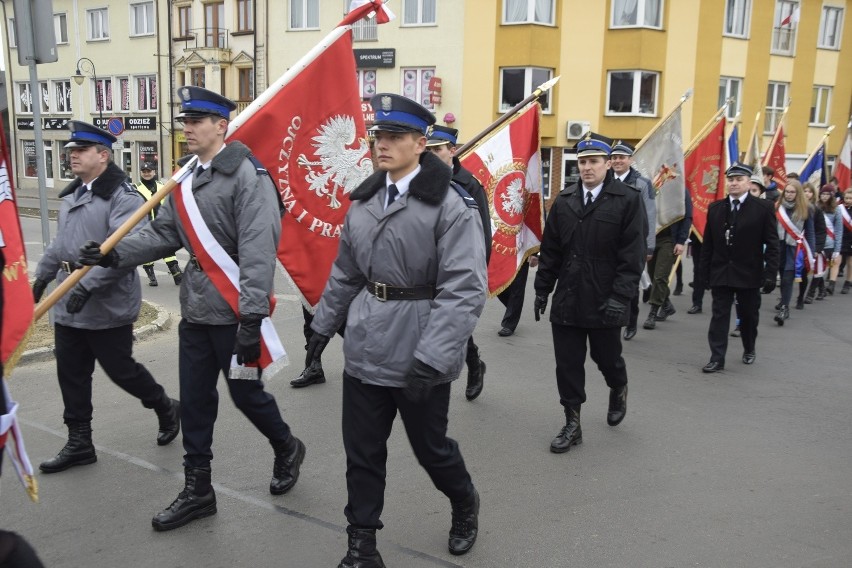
(776, 158)
(705, 174)
(308, 131)
(843, 165)
(508, 165)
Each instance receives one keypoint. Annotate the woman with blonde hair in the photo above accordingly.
(795, 229)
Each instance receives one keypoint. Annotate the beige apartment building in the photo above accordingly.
(624, 64)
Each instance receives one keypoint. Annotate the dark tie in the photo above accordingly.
(80, 192)
(199, 170)
(735, 206)
(588, 199)
(393, 193)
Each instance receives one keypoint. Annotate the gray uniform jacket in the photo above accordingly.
(116, 295)
(429, 236)
(643, 184)
(241, 208)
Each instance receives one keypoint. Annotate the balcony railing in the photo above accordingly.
(216, 38)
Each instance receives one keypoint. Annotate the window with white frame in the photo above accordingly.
(366, 82)
(730, 88)
(304, 14)
(418, 12)
(146, 92)
(632, 92)
(102, 95)
(97, 22)
(415, 84)
(820, 105)
(830, 27)
(776, 101)
(529, 12)
(365, 29)
(44, 96)
(785, 25)
(10, 33)
(62, 96)
(737, 18)
(516, 83)
(142, 19)
(637, 13)
(60, 28)
(24, 98)
(123, 93)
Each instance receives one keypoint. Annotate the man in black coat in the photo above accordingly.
(738, 256)
(442, 142)
(592, 252)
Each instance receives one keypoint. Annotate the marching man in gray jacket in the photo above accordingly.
(410, 280)
(94, 322)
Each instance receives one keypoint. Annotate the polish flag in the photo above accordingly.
(843, 165)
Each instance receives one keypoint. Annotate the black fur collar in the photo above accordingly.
(104, 186)
(430, 185)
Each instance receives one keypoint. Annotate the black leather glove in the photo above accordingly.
(39, 286)
(316, 345)
(247, 343)
(90, 255)
(539, 306)
(768, 285)
(419, 382)
(77, 299)
(613, 312)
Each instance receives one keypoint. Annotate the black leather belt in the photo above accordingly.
(193, 260)
(383, 292)
(69, 266)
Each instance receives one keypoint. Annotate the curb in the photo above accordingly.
(162, 322)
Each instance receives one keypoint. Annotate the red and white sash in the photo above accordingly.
(829, 227)
(847, 219)
(10, 437)
(224, 273)
(793, 231)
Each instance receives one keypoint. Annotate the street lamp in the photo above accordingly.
(79, 78)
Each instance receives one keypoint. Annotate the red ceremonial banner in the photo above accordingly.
(705, 174)
(508, 165)
(776, 158)
(310, 135)
(17, 295)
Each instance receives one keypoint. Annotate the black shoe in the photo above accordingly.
(152, 278)
(713, 366)
(571, 434)
(646, 295)
(783, 314)
(288, 460)
(505, 332)
(749, 357)
(778, 305)
(846, 287)
(196, 501)
(169, 423)
(174, 270)
(629, 333)
(465, 525)
(666, 310)
(829, 287)
(800, 304)
(78, 450)
(617, 406)
(475, 379)
(736, 332)
(362, 551)
(651, 321)
(695, 309)
(678, 289)
(312, 375)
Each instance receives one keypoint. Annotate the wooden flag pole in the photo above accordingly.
(818, 146)
(540, 90)
(753, 136)
(114, 238)
(775, 136)
(657, 126)
(705, 129)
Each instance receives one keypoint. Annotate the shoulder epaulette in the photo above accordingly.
(262, 171)
(468, 200)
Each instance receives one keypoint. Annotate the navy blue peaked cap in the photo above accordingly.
(196, 102)
(395, 113)
(84, 134)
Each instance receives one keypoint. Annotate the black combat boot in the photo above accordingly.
(617, 406)
(78, 450)
(666, 310)
(312, 375)
(174, 270)
(651, 322)
(475, 374)
(196, 501)
(846, 287)
(288, 459)
(821, 289)
(465, 525)
(169, 418)
(809, 297)
(829, 288)
(149, 270)
(362, 551)
(571, 434)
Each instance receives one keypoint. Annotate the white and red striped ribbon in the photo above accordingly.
(801, 241)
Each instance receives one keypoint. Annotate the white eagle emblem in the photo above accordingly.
(340, 163)
(513, 199)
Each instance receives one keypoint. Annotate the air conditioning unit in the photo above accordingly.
(576, 128)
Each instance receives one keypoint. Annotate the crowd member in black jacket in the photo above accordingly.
(442, 142)
(592, 252)
(819, 237)
(738, 256)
